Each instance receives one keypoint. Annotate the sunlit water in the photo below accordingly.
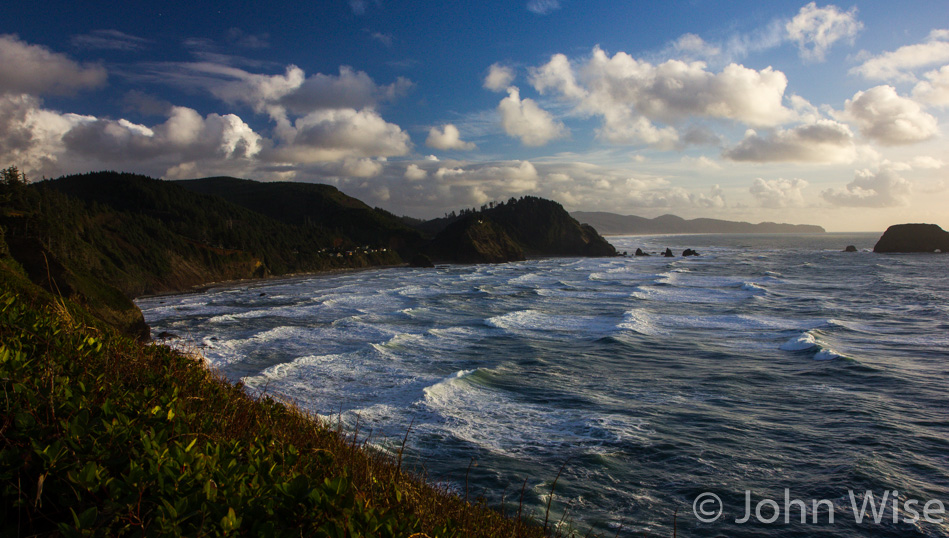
(767, 363)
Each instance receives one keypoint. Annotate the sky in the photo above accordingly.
(808, 113)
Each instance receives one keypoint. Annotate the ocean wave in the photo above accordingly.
(541, 322)
(807, 341)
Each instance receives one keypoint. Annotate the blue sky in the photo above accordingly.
(832, 114)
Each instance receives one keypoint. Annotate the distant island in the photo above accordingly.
(615, 224)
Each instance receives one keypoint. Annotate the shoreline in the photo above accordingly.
(206, 286)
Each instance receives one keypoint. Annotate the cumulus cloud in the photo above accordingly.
(888, 118)
(777, 193)
(884, 188)
(525, 120)
(31, 136)
(630, 95)
(898, 65)
(414, 172)
(336, 134)
(934, 91)
(816, 29)
(447, 138)
(361, 167)
(824, 141)
(185, 136)
(36, 70)
(543, 7)
(499, 77)
(47, 142)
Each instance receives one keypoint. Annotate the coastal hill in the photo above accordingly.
(529, 226)
(103, 238)
(614, 224)
(316, 206)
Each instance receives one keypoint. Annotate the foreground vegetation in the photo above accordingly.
(102, 435)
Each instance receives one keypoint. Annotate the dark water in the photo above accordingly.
(772, 365)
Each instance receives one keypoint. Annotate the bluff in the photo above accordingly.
(913, 238)
(529, 226)
(614, 224)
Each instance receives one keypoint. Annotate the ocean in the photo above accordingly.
(771, 378)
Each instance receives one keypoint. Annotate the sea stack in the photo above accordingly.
(913, 238)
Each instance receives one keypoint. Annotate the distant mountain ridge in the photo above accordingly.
(615, 224)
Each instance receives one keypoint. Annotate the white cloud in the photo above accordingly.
(934, 91)
(46, 142)
(414, 172)
(694, 46)
(701, 162)
(336, 134)
(354, 167)
(447, 138)
(629, 95)
(525, 120)
(36, 70)
(184, 136)
(296, 93)
(499, 77)
(777, 193)
(898, 65)
(926, 162)
(677, 197)
(557, 75)
(816, 29)
(888, 118)
(543, 7)
(109, 40)
(885, 188)
(824, 141)
(31, 136)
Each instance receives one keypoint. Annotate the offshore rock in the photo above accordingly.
(668, 253)
(913, 238)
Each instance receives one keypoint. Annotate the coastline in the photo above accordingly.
(206, 286)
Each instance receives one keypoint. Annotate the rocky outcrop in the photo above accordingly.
(850, 248)
(639, 252)
(689, 252)
(913, 238)
(668, 253)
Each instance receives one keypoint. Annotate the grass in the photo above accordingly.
(104, 436)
